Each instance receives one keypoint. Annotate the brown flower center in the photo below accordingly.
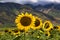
(6, 31)
(55, 27)
(25, 21)
(47, 25)
(46, 34)
(37, 23)
(16, 31)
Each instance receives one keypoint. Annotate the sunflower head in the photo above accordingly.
(57, 27)
(47, 33)
(22, 30)
(16, 33)
(47, 26)
(37, 24)
(1, 33)
(10, 32)
(24, 21)
(6, 30)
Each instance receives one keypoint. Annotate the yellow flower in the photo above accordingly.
(1, 33)
(16, 33)
(6, 30)
(38, 24)
(24, 21)
(57, 27)
(47, 33)
(47, 26)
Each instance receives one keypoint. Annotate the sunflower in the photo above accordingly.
(56, 27)
(47, 33)
(6, 30)
(38, 24)
(1, 33)
(16, 33)
(47, 26)
(24, 21)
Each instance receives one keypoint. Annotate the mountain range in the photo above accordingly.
(9, 11)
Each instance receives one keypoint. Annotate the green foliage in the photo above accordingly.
(32, 35)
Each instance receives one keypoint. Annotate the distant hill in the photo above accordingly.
(8, 12)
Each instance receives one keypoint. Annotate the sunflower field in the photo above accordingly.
(30, 27)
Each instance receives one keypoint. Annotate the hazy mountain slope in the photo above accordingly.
(8, 12)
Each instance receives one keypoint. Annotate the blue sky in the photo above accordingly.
(31, 1)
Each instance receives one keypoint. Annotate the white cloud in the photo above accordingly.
(57, 1)
(33, 1)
